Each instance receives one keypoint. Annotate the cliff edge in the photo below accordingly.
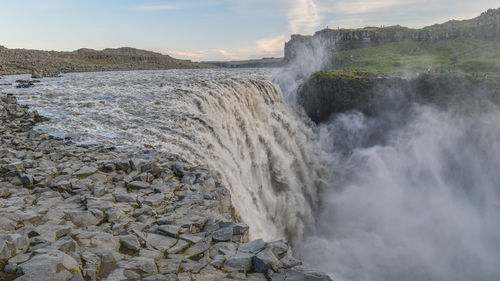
(484, 27)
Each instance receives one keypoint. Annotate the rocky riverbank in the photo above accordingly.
(71, 212)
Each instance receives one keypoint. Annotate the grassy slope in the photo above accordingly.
(458, 55)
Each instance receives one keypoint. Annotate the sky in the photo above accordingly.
(201, 30)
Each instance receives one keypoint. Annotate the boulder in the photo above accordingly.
(145, 265)
(36, 74)
(51, 266)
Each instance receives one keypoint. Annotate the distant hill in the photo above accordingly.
(16, 61)
(264, 62)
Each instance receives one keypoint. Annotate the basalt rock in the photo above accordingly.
(330, 92)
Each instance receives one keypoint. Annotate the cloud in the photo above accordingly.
(232, 55)
(304, 16)
(205, 55)
(182, 54)
(264, 47)
(364, 6)
(271, 45)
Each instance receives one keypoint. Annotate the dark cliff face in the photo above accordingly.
(485, 27)
(331, 92)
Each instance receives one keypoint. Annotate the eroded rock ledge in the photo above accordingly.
(69, 212)
(327, 93)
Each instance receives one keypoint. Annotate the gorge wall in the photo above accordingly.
(485, 27)
(330, 92)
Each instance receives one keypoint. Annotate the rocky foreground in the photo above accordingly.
(71, 212)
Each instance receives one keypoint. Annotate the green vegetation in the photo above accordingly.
(74, 271)
(342, 73)
(461, 55)
(380, 31)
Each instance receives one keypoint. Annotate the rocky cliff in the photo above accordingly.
(485, 27)
(330, 92)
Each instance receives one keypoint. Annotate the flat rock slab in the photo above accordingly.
(83, 218)
(139, 185)
(85, 171)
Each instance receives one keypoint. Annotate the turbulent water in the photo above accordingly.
(236, 121)
(422, 203)
(418, 199)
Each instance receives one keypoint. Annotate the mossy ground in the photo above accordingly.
(461, 55)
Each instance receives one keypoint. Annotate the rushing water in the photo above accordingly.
(422, 205)
(419, 200)
(235, 121)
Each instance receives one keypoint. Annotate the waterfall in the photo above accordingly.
(237, 122)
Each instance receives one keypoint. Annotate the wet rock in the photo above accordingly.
(169, 230)
(142, 264)
(61, 231)
(24, 84)
(139, 185)
(130, 242)
(114, 214)
(160, 242)
(189, 178)
(128, 198)
(159, 277)
(54, 265)
(171, 265)
(218, 261)
(27, 180)
(252, 247)
(85, 171)
(299, 275)
(280, 248)
(122, 165)
(144, 177)
(240, 229)
(84, 218)
(65, 244)
(265, 260)
(223, 235)
(4, 250)
(36, 74)
(116, 275)
(131, 275)
(192, 238)
(195, 252)
(13, 263)
(143, 211)
(289, 262)
(107, 167)
(240, 262)
(179, 247)
(16, 243)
